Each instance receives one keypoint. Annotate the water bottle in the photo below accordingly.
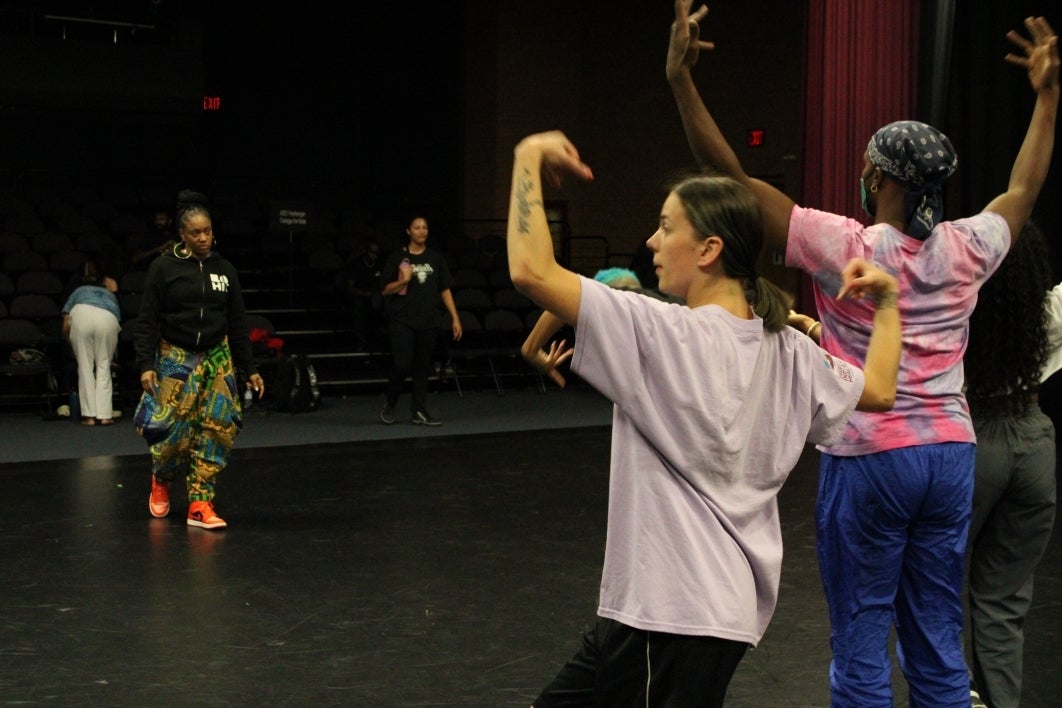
(405, 263)
(248, 399)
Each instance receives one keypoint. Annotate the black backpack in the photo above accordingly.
(296, 385)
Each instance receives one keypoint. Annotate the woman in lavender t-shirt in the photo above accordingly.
(714, 402)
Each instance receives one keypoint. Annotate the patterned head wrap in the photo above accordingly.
(922, 158)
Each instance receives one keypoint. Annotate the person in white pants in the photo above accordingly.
(91, 322)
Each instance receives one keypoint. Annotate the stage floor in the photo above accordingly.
(441, 570)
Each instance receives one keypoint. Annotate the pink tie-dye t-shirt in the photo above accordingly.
(939, 279)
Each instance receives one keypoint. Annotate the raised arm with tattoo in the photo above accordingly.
(532, 265)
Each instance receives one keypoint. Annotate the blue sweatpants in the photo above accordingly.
(892, 530)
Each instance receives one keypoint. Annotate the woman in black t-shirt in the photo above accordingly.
(415, 280)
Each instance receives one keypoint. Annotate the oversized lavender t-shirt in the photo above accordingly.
(939, 279)
(711, 414)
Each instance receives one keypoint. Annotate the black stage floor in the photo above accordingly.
(445, 569)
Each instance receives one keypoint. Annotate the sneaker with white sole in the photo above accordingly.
(387, 415)
(201, 514)
(159, 499)
(422, 418)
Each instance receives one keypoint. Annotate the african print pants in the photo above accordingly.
(192, 420)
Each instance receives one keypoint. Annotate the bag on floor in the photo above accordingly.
(28, 355)
(296, 385)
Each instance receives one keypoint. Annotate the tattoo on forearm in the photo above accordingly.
(524, 206)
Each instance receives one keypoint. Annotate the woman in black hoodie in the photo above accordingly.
(191, 347)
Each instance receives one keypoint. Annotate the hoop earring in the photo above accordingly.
(873, 188)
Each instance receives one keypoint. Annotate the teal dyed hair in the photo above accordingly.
(620, 278)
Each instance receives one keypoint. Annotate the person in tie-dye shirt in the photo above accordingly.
(895, 492)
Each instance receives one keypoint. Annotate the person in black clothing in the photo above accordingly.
(159, 238)
(362, 287)
(190, 330)
(415, 280)
(1015, 345)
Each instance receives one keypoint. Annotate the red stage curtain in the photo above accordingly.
(861, 73)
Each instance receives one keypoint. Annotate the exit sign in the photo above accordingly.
(211, 103)
(754, 138)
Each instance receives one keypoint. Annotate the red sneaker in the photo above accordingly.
(159, 501)
(201, 514)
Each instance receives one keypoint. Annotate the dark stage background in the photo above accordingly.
(371, 112)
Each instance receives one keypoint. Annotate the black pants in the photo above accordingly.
(621, 666)
(365, 321)
(411, 351)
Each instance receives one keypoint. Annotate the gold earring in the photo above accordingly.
(873, 188)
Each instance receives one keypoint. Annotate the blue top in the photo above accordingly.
(96, 296)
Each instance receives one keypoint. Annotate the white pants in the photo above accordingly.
(94, 338)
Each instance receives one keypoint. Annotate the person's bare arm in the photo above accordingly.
(455, 319)
(805, 324)
(862, 279)
(534, 352)
(709, 146)
(161, 248)
(405, 274)
(533, 266)
(1031, 165)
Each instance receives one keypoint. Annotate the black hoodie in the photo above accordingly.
(193, 304)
